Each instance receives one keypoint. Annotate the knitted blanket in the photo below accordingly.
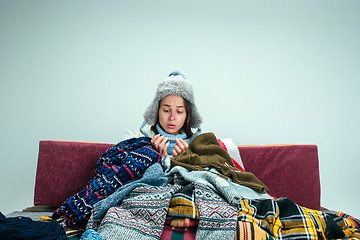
(119, 164)
(182, 204)
(205, 152)
(153, 176)
(142, 214)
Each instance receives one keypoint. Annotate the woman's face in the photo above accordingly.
(172, 114)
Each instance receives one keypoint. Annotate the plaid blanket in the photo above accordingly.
(250, 231)
(284, 219)
(119, 164)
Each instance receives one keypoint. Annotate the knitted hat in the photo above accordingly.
(175, 85)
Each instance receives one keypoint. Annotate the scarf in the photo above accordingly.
(172, 138)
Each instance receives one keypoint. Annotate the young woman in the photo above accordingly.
(172, 116)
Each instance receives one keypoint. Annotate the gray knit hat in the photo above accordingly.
(175, 85)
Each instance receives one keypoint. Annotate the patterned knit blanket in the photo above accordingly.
(182, 204)
(124, 162)
(142, 214)
(145, 212)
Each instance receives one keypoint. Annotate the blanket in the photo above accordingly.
(153, 176)
(205, 152)
(143, 211)
(284, 219)
(142, 214)
(182, 204)
(125, 161)
(150, 212)
(250, 231)
(233, 192)
(145, 214)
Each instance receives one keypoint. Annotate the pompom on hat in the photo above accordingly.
(175, 85)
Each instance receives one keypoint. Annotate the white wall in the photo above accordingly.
(264, 72)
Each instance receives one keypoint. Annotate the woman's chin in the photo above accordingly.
(172, 131)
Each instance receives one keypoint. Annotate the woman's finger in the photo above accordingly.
(155, 138)
(163, 146)
(162, 142)
(164, 149)
(176, 151)
(182, 145)
(158, 142)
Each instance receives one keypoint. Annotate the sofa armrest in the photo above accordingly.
(290, 171)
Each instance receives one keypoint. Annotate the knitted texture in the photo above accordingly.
(172, 138)
(217, 217)
(119, 164)
(153, 176)
(142, 214)
(205, 152)
(91, 234)
(182, 204)
(233, 192)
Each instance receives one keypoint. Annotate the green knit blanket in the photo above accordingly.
(205, 152)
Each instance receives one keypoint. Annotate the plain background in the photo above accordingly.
(263, 72)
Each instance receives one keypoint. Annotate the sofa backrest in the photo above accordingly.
(65, 167)
(290, 171)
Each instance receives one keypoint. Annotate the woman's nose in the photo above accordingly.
(172, 115)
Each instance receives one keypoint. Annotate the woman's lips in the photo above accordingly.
(171, 126)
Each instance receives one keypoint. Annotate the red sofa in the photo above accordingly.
(292, 171)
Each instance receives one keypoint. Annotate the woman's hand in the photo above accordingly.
(161, 144)
(180, 147)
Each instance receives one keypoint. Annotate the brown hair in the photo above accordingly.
(186, 128)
